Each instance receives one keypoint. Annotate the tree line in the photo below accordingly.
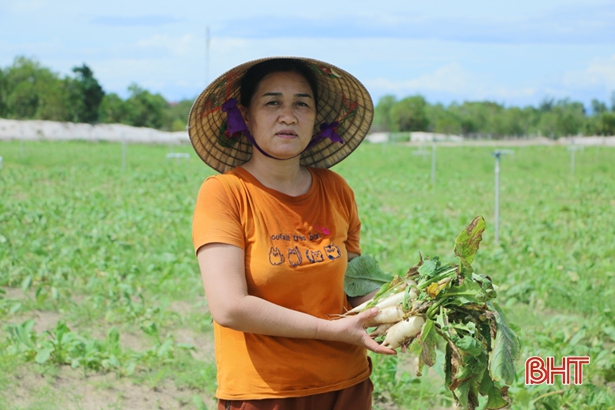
(552, 118)
(30, 91)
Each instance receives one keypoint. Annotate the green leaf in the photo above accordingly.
(198, 402)
(609, 331)
(113, 337)
(363, 276)
(468, 241)
(467, 394)
(469, 292)
(494, 395)
(428, 341)
(43, 355)
(15, 307)
(469, 345)
(185, 346)
(505, 349)
(428, 268)
(25, 284)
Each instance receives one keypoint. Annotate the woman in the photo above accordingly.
(273, 234)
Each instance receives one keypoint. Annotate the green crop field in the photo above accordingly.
(102, 307)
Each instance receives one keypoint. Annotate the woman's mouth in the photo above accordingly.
(286, 134)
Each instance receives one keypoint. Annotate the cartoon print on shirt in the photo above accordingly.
(332, 251)
(275, 256)
(314, 256)
(294, 256)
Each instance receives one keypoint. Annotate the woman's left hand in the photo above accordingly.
(352, 330)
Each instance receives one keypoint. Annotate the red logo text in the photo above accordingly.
(537, 371)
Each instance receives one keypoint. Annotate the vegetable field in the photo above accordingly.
(101, 303)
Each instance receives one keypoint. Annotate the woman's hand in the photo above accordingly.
(351, 330)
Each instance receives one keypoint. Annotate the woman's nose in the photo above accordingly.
(287, 115)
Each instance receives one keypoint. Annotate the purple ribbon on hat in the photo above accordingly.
(327, 131)
(235, 124)
(234, 119)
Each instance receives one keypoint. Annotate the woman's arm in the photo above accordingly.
(223, 272)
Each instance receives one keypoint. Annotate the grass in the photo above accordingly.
(98, 246)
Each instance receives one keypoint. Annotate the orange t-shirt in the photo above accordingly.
(296, 251)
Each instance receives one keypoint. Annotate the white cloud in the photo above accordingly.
(179, 46)
(599, 73)
(452, 80)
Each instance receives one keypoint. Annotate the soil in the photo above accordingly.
(34, 386)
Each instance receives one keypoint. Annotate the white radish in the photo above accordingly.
(390, 300)
(391, 314)
(380, 330)
(401, 332)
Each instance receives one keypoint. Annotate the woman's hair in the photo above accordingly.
(254, 75)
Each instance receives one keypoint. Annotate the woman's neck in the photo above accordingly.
(286, 176)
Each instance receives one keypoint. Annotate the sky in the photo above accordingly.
(515, 53)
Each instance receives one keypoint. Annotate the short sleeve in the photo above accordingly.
(353, 244)
(216, 216)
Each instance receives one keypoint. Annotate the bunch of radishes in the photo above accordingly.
(396, 322)
(449, 303)
(403, 304)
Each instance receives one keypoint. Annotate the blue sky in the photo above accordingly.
(514, 53)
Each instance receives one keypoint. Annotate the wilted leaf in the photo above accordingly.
(505, 350)
(435, 288)
(468, 241)
(428, 341)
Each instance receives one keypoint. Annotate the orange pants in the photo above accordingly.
(357, 397)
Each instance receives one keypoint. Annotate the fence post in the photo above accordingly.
(497, 154)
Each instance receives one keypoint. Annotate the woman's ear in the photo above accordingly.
(244, 113)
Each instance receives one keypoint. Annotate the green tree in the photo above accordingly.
(473, 116)
(34, 92)
(55, 101)
(562, 118)
(177, 115)
(382, 113)
(22, 100)
(443, 121)
(605, 124)
(598, 107)
(410, 114)
(145, 109)
(86, 95)
(3, 94)
(112, 110)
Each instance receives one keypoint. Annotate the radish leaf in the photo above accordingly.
(363, 275)
(505, 349)
(468, 241)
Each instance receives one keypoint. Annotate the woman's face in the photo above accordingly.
(281, 114)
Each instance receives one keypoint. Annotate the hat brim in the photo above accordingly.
(341, 98)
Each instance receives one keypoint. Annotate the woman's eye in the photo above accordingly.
(272, 103)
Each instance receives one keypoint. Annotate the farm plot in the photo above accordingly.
(101, 304)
